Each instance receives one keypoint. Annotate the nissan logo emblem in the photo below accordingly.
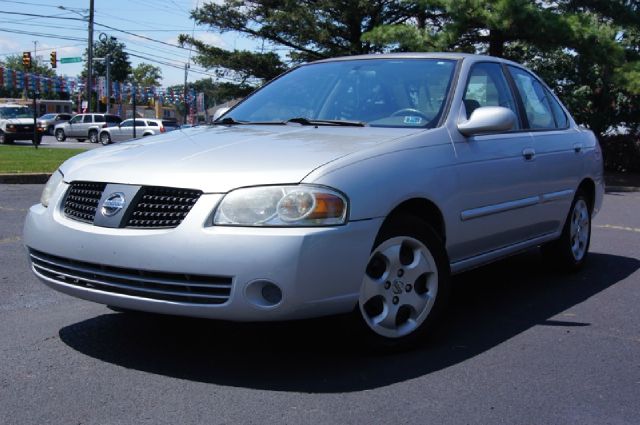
(113, 204)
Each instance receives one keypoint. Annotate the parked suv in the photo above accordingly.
(124, 131)
(48, 122)
(85, 126)
(16, 123)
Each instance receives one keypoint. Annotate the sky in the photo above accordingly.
(162, 20)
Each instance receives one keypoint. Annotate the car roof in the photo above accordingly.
(11, 105)
(422, 55)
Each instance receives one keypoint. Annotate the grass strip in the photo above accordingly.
(26, 159)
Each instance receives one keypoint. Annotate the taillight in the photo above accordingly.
(162, 130)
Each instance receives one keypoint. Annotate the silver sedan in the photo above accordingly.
(354, 185)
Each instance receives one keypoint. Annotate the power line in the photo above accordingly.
(35, 34)
(43, 49)
(43, 16)
(142, 36)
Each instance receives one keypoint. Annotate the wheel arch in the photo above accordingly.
(424, 209)
(588, 187)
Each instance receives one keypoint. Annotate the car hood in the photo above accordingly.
(218, 159)
(20, 121)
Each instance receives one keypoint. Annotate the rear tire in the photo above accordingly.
(50, 130)
(570, 251)
(60, 136)
(93, 136)
(405, 287)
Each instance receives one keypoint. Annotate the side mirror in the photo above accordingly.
(220, 112)
(488, 119)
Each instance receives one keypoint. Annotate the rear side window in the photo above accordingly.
(152, 124)
(98, 118)
(543, 110)
(86, 118)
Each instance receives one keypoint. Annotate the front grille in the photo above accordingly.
(153, 207)
(153, 285)
(162, 207)
(82, 200)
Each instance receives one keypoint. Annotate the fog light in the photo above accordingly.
(271, 293)
(263, 293)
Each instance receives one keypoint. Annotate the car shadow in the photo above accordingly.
(489, 306)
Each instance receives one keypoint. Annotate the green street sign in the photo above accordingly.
(70, 60)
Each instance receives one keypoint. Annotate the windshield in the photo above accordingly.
(15, 112)
(378, 92)
(48, 117)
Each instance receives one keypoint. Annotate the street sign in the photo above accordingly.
(70, 60)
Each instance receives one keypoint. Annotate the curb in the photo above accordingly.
(25, 178)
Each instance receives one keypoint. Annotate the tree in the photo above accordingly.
(214, 93)
(147, 75)
(307, 29)
(120, 65)
(585, 49)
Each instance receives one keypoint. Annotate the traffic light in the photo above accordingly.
(26, 59)
(54, 59)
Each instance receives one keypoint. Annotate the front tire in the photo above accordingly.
(570, 251)
(105, 138)
(4, 139)
(60, 136)
(405, 286)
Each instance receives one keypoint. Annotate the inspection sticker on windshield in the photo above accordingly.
(411, 119)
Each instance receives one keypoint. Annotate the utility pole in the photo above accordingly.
(35, 51)
(186, 102)
(90, 57)
(108, 64)
(133, 90)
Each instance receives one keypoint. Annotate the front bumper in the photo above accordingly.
(319, 270)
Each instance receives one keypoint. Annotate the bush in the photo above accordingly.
(621, 153)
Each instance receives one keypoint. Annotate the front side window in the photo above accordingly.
(487, 86)
(378, 92)
(126, 123)
(76, 119)
(537, 102)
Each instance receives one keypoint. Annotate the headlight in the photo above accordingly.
(282, 206)
(11, 127)
(50, 187)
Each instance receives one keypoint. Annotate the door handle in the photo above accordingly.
(529, 154)
(577, 147)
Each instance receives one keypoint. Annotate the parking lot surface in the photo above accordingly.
(522, 344)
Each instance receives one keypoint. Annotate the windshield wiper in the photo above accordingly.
(231, 121)
(307, 121)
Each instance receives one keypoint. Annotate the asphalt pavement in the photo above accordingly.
(51, 142)
(522, 344)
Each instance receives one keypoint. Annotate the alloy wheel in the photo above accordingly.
(399, 288)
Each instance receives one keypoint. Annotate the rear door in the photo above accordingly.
(558, 148)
